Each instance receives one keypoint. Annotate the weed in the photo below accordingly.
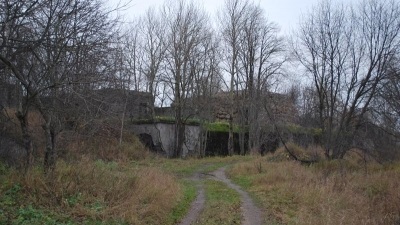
(29, 215)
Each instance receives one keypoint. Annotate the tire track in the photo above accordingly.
(252, 215)
(197, 205)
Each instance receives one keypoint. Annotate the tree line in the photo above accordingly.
(57, 51)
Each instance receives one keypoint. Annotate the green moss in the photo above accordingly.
(167, 120)
(222, 126)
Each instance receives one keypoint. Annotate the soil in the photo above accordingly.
(251, 214)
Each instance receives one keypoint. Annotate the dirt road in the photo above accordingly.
(251, 214)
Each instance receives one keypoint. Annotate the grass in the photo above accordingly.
(102, 182)
(222, 205)
(157, 191)
(329, 192)
(183, 206)
(89, 192)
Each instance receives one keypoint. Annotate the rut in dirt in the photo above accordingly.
(251, 214)
(197, 205)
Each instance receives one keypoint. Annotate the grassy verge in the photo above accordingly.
(329, 192)
(184, 168)
(222, 205)
(183, 206)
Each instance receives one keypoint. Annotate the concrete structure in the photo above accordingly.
(163, 137)
(217, 108)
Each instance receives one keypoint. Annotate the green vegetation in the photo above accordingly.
(181, 209)
(166, 119)
(221, 126)
(222, 205)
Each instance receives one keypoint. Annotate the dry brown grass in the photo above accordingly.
(97, 180)
(96, 190)
(330, 192)
(106, 148)
(312, 152)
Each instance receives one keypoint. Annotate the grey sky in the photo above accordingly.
(285, 13)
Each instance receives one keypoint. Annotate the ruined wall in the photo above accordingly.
(138, 104)
(217, 107)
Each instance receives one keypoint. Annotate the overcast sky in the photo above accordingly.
(285, 13)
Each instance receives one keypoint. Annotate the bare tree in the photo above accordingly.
(186, 28)
(253, 51)
(46, 45)
(387, 105)
(231, 20)
(154, 49)
(346, 52)
(260, 59)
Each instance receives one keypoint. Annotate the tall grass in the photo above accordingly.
(329, 192)
(92, 191)
(94, 180)
(106, 148)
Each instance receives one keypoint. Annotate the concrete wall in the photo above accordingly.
(163, 136)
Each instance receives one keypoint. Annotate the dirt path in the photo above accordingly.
(252, 215)
(198, 204)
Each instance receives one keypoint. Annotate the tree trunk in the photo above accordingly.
(203, 142)
(230, 137)
(50, 156)
(27, 140)
(179, 137)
